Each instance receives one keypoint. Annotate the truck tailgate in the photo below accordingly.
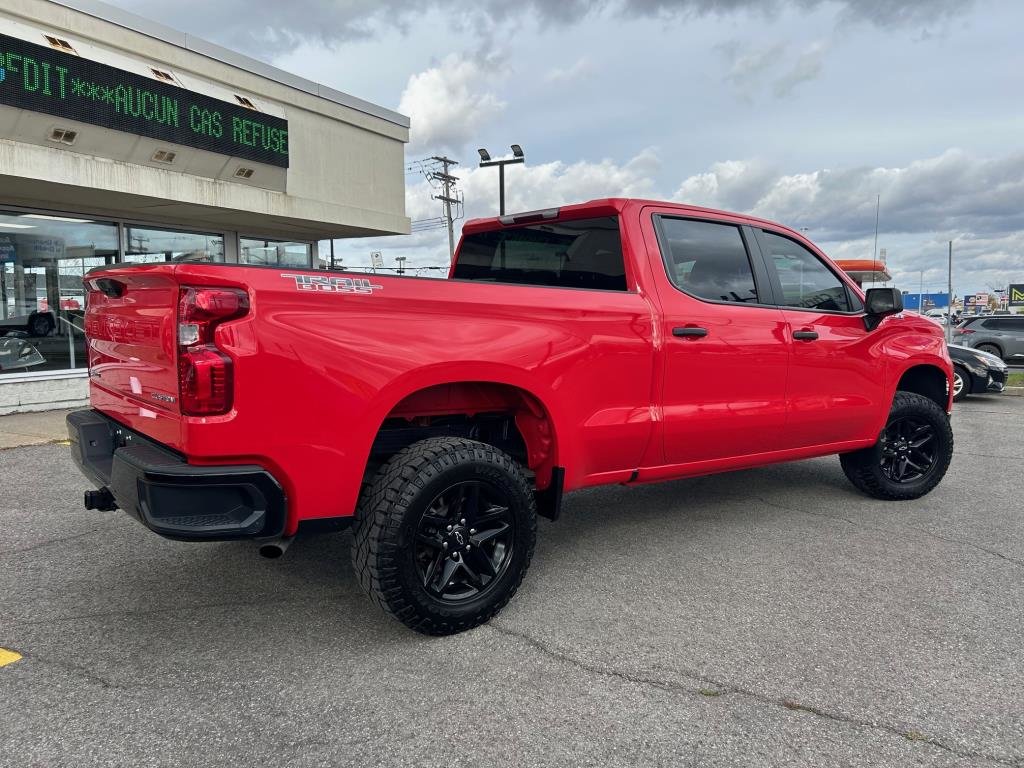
(131, 323)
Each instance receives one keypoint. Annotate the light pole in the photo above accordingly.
(487, 162)
(949, 276)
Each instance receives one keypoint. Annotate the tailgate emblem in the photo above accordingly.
(162, 398)
(334, 284)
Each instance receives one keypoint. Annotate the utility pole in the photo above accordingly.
(920, 295)
(448, 181)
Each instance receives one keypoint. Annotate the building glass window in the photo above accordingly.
(146, 245)
(42, 260)
(275, 253)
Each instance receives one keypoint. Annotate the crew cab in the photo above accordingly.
(614, 341)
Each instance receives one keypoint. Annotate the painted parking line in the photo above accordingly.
(8, 657)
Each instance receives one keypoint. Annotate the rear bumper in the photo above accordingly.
(169, 496)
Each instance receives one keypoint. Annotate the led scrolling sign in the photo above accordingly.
(41, 79)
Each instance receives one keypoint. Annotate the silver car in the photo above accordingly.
(999, 335)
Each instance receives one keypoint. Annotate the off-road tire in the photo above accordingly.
(389, 514)
(864, 467)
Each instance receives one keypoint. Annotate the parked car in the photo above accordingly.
(38, 323)
(616, 341)
(999, 335)
(976, 372)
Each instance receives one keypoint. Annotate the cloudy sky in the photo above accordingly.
(802, 111)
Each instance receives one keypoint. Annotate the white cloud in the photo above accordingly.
(449, 102)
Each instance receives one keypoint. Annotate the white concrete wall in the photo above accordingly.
(70, 390)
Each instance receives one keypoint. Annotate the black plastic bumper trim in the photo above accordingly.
(177, 500)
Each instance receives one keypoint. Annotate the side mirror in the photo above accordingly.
(879, 303)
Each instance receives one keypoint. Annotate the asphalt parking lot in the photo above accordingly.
(769, 617)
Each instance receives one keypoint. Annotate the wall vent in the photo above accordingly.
(164, 156)
(63, 136)
(244, 173)
(60, 44)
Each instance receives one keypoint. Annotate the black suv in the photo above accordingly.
(999, 335)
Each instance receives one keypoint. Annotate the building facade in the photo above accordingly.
(124, 141)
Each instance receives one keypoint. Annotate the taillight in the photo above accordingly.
(205, 378)
(964, 331)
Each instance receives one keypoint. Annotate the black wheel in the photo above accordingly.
(961, 383)
(992, 349)
(444, 534)
(39, 325)
(912, 453)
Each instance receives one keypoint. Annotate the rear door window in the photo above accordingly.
(806, 282)
(1006, 324)
(707, 259)
(586, 253)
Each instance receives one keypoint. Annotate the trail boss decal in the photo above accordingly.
(334, 284)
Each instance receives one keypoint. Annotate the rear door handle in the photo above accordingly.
(690, 331)
(805, 335)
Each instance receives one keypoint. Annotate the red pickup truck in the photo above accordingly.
(616, 341)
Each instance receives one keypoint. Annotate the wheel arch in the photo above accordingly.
(1000, 351)
(929, 381)
(430, 405)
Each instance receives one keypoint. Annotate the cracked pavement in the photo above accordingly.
(768, 617)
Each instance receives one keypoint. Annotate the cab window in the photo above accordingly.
(806, 282)
(585, 253)
(707, 260)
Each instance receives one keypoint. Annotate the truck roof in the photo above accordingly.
(605, 206)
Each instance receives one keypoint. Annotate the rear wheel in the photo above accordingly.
(961, 383)
(39, 325)
(992, 349)
(445, 534)
(911, 456)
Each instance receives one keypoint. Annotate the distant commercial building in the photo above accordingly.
(924, 301)
(124, 141)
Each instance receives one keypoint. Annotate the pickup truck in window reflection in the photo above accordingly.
(614, 341)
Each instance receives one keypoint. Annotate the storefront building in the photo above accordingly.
(123, 141)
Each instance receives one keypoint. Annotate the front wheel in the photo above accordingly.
(912, 453)
(961, 383)
(445, 534)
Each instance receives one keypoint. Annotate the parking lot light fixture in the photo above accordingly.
(518, 156)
